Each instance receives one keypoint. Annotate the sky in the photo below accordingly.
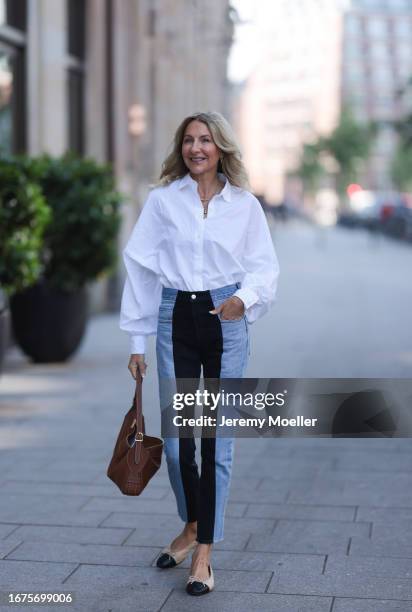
(245, 49)
(243, 53)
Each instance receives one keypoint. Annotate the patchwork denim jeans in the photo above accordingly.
(191, 340)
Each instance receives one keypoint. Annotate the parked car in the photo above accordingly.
(396, 220)
(389, 212)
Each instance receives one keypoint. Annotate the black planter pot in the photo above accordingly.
(4, 327)
(49, 324)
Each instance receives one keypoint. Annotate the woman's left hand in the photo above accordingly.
(233, 308)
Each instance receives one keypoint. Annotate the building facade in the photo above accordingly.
(110, 79)
(315, 56)
(376, 66)
(293, 92)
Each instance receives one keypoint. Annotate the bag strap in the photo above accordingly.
(139, 410)
(139, 419)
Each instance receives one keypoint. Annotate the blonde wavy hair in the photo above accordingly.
(230, 164)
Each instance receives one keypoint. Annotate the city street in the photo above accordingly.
(313, 525)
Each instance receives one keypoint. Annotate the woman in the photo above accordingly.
(200, 268)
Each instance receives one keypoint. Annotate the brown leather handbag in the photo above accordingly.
(136, 456)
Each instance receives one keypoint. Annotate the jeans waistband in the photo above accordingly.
(220, 292)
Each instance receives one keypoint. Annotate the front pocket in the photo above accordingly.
(230, 320)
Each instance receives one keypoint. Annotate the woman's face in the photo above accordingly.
(199, 152)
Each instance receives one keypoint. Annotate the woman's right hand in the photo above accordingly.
(137, 364)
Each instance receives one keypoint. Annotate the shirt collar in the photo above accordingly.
(226, 192)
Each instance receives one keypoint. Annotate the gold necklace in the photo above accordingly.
(207, 200)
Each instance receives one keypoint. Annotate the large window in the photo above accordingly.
(12, 75)
(76, 50)
(377, 27)
(13, 13)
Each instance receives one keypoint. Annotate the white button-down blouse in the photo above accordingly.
(172, 245)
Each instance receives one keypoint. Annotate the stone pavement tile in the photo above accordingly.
(50, 474)
(363, 479)
(6, 529)
(341, 495)
(370, 605)
(397, 532)
(238, 581)
(10, 502)
(368, 566)
(297, 528)
(85, 553)
(38, 455)
(22, 575)
(340, 585)
(277, 494)
(161, 537)
(370, 462)
(355, 444)
(384, 515)
(82, 535)
(308, 543)
(73, 518)
(12, 505)
(66, 490)
(301, 511)
(113, 599)
(273, 562)
(144, 521)
(245, 602)
(6, 546)
(243, 482)
(173, 523)
(386, 547)
(291, 474)
(146, 506)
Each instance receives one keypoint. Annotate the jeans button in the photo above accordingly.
(193, 296)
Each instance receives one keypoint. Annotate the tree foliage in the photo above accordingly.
(349, 145)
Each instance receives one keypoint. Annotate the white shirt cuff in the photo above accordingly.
(248, 296)
(137, 344)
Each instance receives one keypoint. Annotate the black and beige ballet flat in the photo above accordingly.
(195, 586)
(169, 558)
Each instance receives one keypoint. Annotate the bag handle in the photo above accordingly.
(139, 416)
(138, 404)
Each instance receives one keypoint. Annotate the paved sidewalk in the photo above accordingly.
(312, 525)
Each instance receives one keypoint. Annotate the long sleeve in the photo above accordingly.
(142, 288)
(259, 285)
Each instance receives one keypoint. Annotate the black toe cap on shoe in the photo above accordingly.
(197, 588)
(165, 561)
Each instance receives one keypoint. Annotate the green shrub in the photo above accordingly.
(80, 242)
(24, 215)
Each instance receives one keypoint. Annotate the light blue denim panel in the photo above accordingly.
(235, 337)
(164, 341)
(234, 361)
(167, 387)
(223, 462)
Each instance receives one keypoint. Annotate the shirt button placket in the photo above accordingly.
(198, 251)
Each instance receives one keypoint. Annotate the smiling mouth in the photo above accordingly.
(197, 159)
